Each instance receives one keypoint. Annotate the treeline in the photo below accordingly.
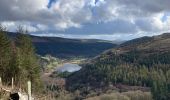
(18, 60)
(126, 69)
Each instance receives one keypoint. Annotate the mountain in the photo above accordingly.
(144, 50)
(135, 63)
(66, 48)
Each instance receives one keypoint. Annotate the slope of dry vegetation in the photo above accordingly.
(131, 95)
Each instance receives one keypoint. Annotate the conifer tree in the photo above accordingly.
(14, 64)
(27, 58)
(159, 86)
(5, 55)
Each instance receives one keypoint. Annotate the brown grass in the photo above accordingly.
(131, 95)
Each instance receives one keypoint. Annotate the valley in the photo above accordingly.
(138, 68)
(128, 68)
(84, 49)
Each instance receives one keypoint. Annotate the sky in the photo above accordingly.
(97, 19)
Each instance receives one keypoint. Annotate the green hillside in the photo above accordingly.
(134, 63)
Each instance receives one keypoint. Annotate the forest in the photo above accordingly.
(18, 60)
(129, 65)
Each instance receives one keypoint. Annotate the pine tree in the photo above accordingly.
(159, 86)
(14, 64)
(27, 58)
(5, 55)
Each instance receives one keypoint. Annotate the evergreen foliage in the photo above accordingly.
(18, 60)
(131, 68)
(5, 55)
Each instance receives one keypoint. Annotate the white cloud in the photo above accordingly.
(12, 26)
(167, 24)
(71, 12)
(101, 16)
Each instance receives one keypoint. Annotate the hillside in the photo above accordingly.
(67, 48)
(157, 43)
(141, 62)
(142, 51)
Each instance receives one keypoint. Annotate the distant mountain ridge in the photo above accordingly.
(66, 48)
(144, 50)
(156, 43)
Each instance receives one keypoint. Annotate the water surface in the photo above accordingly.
(68, 67)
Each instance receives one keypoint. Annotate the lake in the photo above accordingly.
(68, 67)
